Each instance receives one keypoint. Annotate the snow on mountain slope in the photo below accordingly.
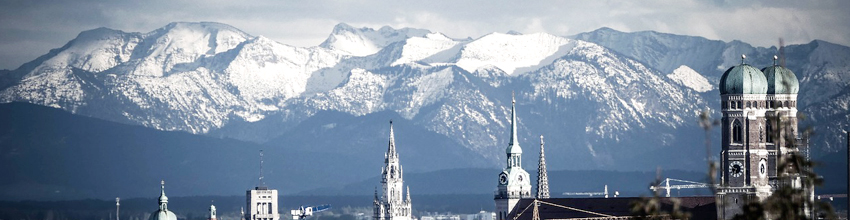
(96, 50)
(366, 41)
(607, 106)
(362, 93)
(629, 90)
(185, 76)
(267, 73)
(180, 43)
(512, 52)
(425, 48)
(686, 76)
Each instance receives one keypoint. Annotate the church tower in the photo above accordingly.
(759, 119)
(162, 213)
(513, 180)
(542, 175)
(391, 206)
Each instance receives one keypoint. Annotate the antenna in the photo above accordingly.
(262, 183)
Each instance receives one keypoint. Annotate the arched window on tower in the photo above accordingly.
(769, 133)
(736, 132)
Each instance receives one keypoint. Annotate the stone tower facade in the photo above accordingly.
(514, 183)
(393, 204)
(759, 122)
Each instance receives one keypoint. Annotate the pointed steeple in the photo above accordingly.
(542, 175)
(514, 151)
(513, 145)
(408, 194)
(514, 138)
(391, 153)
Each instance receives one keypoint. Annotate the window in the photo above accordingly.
(736, 131)
(769, 133)
(748, 105)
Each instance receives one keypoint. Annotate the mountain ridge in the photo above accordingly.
(214, 79)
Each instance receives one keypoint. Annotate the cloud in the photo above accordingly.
(31, 28)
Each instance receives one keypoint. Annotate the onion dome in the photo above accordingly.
(162, 213)
(780, 80)
(743, 79)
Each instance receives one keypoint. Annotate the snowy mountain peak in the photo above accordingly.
(366, 41)
(513, 53)
(687, 77)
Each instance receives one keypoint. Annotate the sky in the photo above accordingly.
(30, 28)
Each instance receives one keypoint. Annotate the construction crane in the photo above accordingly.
(591, 194)
(666, 185)
(308, 211)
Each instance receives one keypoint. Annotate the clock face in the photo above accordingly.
(519, 178)
(736, 169)
(762, 167)
(503, 178)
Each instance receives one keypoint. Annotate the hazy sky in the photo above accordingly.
(30, 28)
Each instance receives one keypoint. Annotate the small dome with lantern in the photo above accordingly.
(162, 213)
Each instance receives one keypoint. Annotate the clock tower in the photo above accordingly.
(514, 183)
(759, 117)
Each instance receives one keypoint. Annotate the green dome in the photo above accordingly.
(780, 80)
(743, 79)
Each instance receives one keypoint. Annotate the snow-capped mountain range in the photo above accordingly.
(601, 99)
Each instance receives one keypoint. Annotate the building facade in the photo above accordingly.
(393, 204)
(759, 126)
(513, 183)
(262, 204)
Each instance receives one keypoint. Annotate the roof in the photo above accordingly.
(781, 80)
(743, 79)
(699, 207)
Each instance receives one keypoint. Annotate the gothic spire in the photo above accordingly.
(391, 153)
(408, 193)
(542, 176)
